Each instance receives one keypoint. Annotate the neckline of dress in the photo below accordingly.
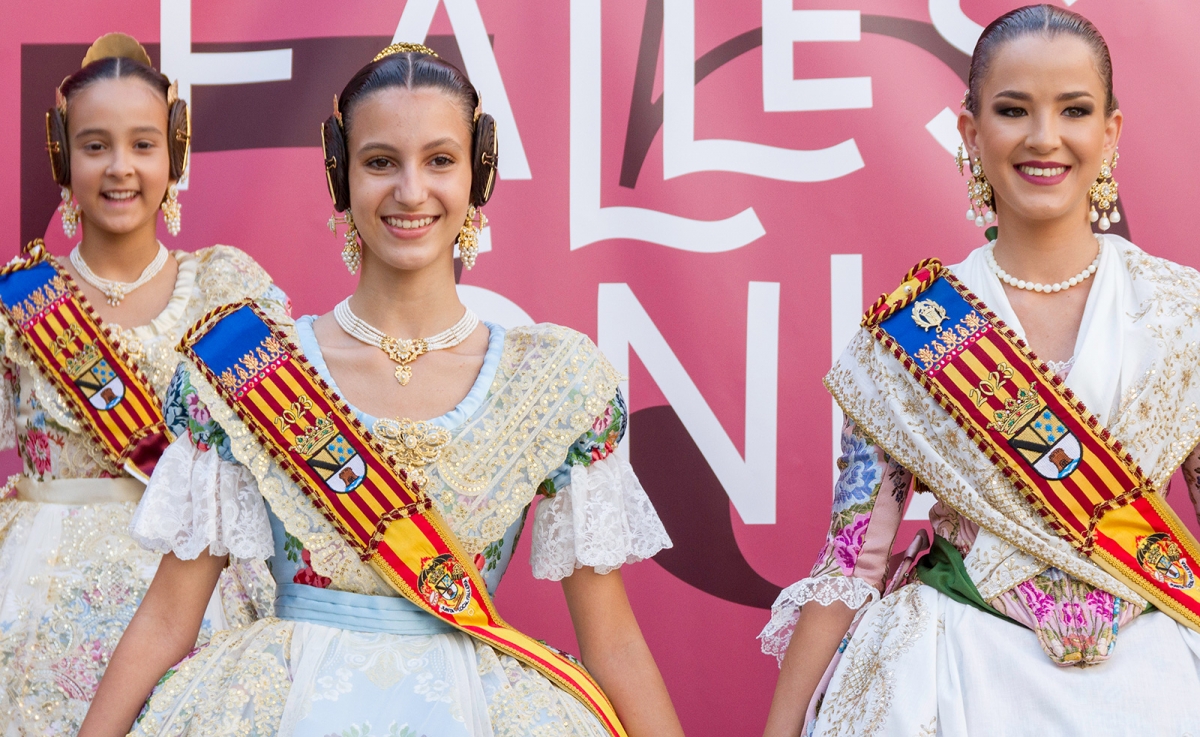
(450, 420)
(181, 294)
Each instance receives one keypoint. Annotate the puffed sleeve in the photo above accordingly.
(868, 504)
(198, 497)
(596, 512)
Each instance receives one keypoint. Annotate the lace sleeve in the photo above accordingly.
(197, 500)
(868, 501)
(602, 519)
(851, 591)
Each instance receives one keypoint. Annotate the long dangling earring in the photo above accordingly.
(468, 237)
(351, 250)
(171, 210)
(70, 213)
(979, 190)
(1103, 195)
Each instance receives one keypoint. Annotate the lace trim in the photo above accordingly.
(196, 501)
(551, 385)
(330, 555)
(603, 519)
(851, 591)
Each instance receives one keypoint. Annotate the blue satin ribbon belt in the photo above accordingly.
(358, 612)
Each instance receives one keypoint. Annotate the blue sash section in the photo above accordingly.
(358, 612)
(912, 337)
(230, 338)
(17, 286)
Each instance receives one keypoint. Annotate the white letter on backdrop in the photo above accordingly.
(954, 25)
(480, 61)
(845, 312)
(683, 154)
(782, 29)
(750, 482)
(240, 67)
(591, 223)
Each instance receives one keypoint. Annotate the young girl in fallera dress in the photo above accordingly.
(362, 645)
(1014, 627)
(71, 577)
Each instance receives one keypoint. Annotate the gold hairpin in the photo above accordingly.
(337, 113)
(404, 47)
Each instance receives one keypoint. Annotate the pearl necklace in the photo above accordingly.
(1062, 286)
(403, 352)
(115, 291)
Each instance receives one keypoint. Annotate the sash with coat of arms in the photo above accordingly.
(102, 386)
(346, 473)
(1067, 466)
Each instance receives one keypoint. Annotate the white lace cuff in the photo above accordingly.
(851, 591)
(602, 519)
(195, 501)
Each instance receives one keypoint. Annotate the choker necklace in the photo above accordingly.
(116, 291)
(403, 352)
(1062, 286)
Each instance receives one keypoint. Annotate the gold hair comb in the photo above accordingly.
(403, 48)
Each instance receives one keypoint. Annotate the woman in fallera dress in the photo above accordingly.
(1044, 390)
(87, 350)
(387, 534)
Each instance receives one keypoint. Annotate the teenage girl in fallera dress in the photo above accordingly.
(362, 644)
(71, 576)
(996, 635)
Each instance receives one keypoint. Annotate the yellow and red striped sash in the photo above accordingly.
(311, 433)
(101, 385)
(1069, 468)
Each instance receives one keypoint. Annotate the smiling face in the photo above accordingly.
(120, 164)
(410, 175)
(1041, 130)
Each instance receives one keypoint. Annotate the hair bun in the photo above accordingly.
(116, 45)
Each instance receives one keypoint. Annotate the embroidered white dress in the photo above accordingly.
(346, 655)
(70, 575)
(920, 663)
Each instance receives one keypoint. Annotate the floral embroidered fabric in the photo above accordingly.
(70, 575)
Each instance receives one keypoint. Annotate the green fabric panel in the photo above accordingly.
(942, 568)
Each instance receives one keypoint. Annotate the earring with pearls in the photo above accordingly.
(1103, 194)
(979, 190)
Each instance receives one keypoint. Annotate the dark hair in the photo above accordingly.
(1049, 21)
(115, 67)
(409, 70)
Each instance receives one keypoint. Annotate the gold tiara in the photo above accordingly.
(404, 48)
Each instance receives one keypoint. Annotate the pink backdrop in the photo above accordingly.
(638, 234)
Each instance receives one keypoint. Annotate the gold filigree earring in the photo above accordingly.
(1104, 196)
(979, 190)
(351, 250)
(171, 209)
(468, 237)
(70, 213)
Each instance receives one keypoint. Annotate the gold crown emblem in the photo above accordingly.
(78, 364)
(1017, 411)
(315, 437)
